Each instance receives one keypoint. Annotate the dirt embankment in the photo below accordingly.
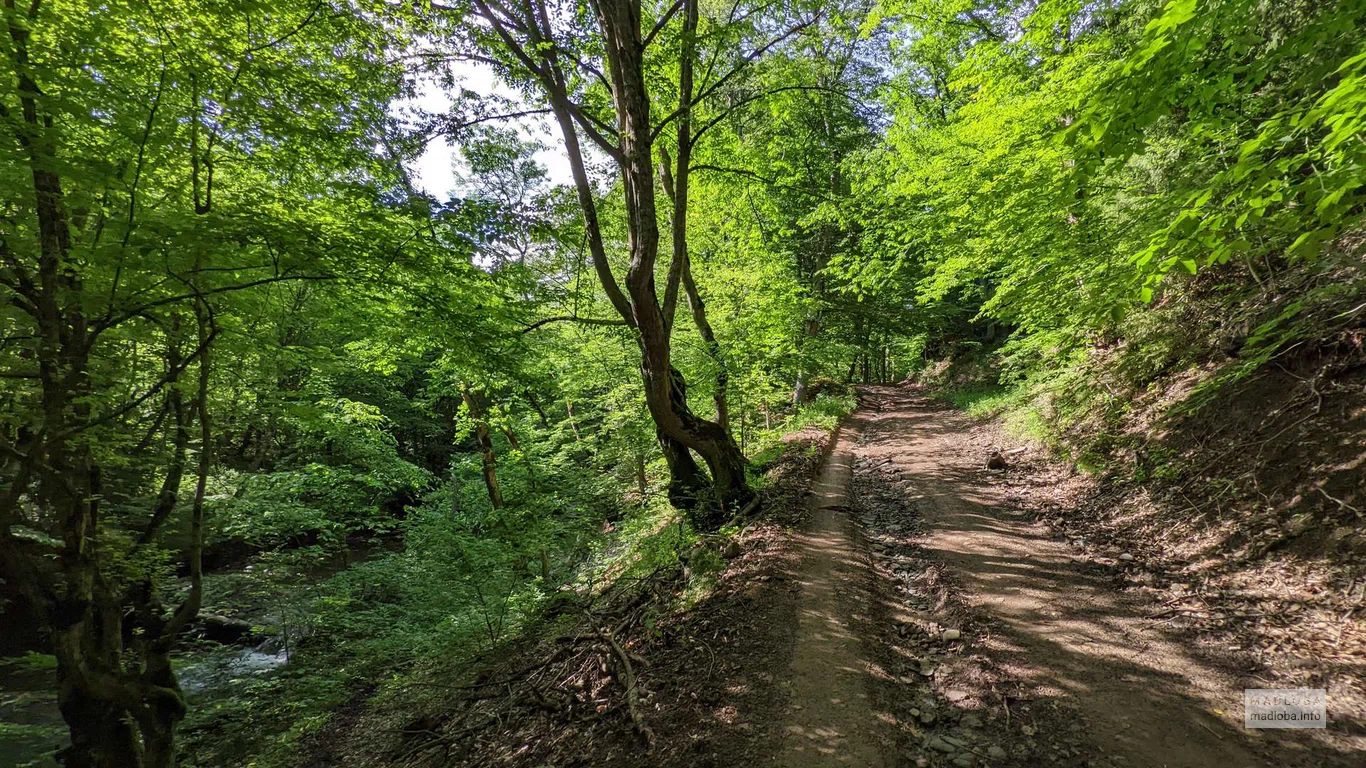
(1245, 521)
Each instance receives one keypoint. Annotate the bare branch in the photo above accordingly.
(573, 319)
(450, 130)
(663, 22)
(109, 321)
(728, 111)
(758, 177)
(301, 26)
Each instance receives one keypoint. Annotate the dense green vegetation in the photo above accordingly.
(238, 341)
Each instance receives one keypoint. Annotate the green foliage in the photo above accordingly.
(1067, 160)
(33, 661)
(1061, 181)
(415, 426)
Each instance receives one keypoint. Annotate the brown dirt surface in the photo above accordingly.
(1058, 663)
(832, 720)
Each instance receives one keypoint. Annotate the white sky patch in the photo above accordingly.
(437, 171)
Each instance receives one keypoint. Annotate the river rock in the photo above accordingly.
(225, 630)
(951, 634)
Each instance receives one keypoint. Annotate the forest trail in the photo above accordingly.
(1048, 624)
(831, 720)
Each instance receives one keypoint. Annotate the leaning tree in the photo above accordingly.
(642, 86)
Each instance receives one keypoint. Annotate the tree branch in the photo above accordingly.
(663, 22)
(728, 111)
(745, 60)
(109, 321)
(572, 319)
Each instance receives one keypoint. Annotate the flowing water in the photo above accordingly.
(32, 729)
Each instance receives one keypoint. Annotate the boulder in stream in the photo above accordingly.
(226, 630)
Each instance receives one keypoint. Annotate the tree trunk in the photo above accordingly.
(642, 486)
(810, 327)
(699, 316)
(159, 724)
(478, 413)
(536, 406)
(102, 731)
(687, 485)
(573, 423)
(619, 21)
(87, 642)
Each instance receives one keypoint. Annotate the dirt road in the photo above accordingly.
(912, 541)
(831, 720)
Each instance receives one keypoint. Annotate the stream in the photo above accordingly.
(31, 726)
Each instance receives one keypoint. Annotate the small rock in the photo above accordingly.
(1126, 557)
(955, 695)
(940, 745)
(732, 550)
(951, 634)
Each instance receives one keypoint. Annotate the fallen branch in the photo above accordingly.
(628, 679)
(1339, 502)
(448, 739)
